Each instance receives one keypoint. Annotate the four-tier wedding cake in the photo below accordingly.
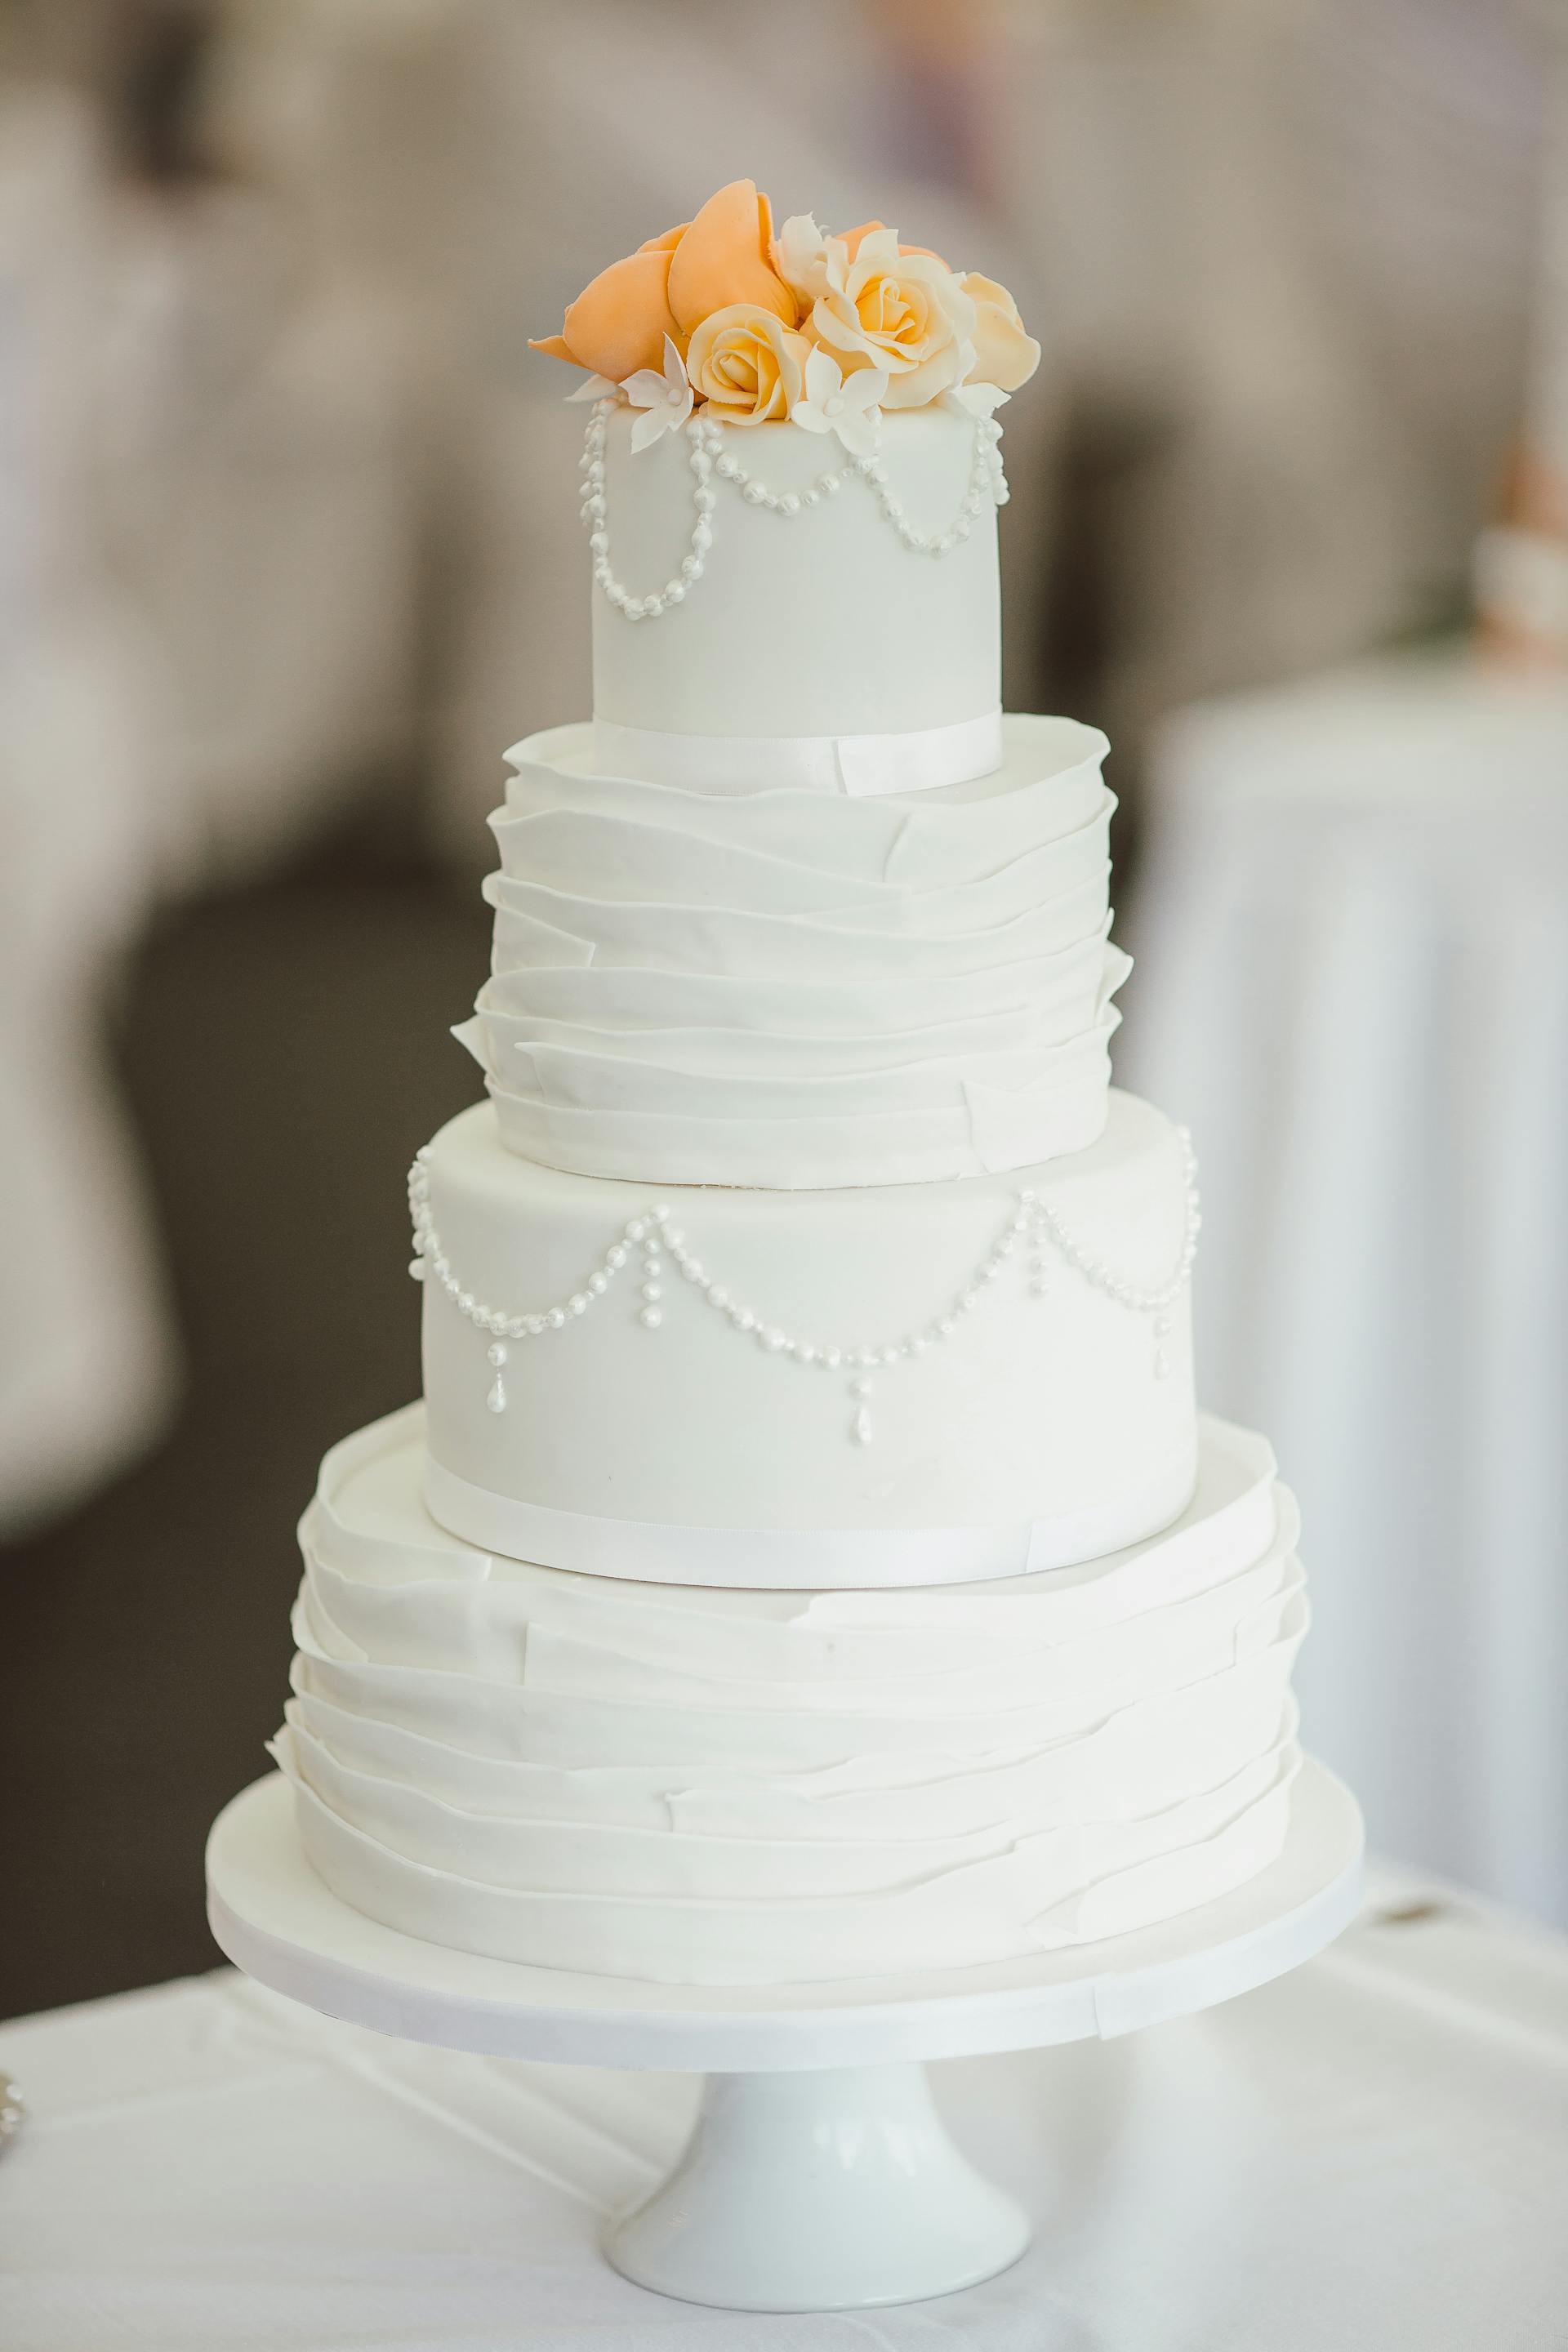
(809, 1561)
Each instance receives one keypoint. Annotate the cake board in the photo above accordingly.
(819, 2175)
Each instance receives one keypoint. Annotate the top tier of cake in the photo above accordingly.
(772, 611)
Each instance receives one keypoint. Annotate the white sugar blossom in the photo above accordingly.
(808, 258)
(976, 399)
(595, 387)
(665, 399)
(848, 405)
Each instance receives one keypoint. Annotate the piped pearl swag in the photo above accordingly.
(710, 460)
(651, 1242)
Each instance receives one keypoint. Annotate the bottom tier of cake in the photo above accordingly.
(701, 1786)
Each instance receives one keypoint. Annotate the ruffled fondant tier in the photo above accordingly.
(712, 1786)
(791, 991)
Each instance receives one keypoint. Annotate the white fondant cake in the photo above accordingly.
(807, 1562)
(750, 1788)
(803, 624)
(852, 1387)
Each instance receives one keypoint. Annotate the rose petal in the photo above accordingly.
(929, 377)
(619, 322)
(722, 259)
(800, 256)
(851, 237)
(875, 248)
(1003, 353)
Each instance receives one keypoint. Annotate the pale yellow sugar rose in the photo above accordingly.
(902, 310)
(747, 364)
(1004, 355)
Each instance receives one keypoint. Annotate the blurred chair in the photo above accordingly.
(261, 494)
(1287, 249)
(86, 1361)
(209, 577)
(257, 456)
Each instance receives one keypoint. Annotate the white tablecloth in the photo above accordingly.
(1371, 2156)
(1352, 981)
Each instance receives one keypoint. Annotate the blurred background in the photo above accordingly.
(288, 555)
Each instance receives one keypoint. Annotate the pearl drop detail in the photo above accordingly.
(707, 460)
(1032, 1227)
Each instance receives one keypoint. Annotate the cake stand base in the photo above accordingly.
(818, 2192)
(818, 2177)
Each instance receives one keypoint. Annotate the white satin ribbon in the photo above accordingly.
(803, 1560)
(859, 766)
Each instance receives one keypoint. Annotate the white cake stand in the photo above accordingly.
(818, 2177)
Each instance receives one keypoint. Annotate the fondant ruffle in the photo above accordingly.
(793, 992)
(716, 1786)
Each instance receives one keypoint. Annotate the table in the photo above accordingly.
(1373, 2152)
(1352, 983)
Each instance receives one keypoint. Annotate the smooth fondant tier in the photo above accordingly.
(791, 989)
(762, 1788)
(909, 1384)
(815, 623)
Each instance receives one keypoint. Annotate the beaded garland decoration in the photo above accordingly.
(650, 1245)
(710, 461)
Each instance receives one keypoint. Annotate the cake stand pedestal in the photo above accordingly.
(819, 2176)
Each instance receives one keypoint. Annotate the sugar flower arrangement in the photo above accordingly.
(824, 332)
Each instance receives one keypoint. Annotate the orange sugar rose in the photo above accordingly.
(724, 258)
(619, 322)
(867, 298)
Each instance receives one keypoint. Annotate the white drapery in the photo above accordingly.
(1352, 982)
